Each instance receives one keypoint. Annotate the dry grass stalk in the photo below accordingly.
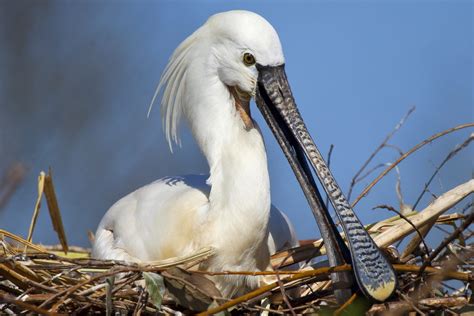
(54, 212)
(426, 304)
(46, 188)
(37, 206)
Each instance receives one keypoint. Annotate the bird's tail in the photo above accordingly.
(105, 247)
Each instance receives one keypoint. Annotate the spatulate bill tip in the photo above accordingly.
(380, 292)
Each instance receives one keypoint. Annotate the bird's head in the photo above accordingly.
(229, 51)
(239, 41)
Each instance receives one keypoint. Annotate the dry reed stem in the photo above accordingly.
(54, 212)
(22, 241)
(37, 206)
(437, 207)
(426, 304)
(46, 189)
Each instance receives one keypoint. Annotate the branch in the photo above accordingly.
(390, 208)
(426, 304)
(331, 148)
(382, 145)
(454, 235)
(423, 143)
(453, 153)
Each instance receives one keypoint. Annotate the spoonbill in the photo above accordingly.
(210, 80)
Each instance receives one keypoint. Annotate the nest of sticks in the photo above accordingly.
(64, 279)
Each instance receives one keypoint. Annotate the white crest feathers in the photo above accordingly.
(172, 85)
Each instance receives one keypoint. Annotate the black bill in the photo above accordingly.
(374, 274)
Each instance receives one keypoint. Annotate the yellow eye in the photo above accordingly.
(248, 59)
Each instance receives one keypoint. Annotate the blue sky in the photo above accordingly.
(76, 79)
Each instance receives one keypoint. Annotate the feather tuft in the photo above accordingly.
(171, 89)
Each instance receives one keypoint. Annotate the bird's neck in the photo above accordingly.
(240, 188)
(239, 177)
(240, 202)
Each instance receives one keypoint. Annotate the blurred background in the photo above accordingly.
(76, 79)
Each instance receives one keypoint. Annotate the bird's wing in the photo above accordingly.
(154, 222)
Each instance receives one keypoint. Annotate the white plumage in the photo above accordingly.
(207, 83)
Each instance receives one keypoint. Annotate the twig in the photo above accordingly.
(423, 304)
(344, 306)
(415, 241)
(139, 304)
(382, 145)
(108, 297)
(331, 148)
(408, 153)
(59, 248)
(410, 302)
(22, 241)
(451, 154)
(461, 276)
(281, 286)
(257, 308)
(390, 208)
(372, 170)
(396, 148)
(446, 241)
(170, 311)
(10, 300)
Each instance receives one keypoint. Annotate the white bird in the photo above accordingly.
(209, 80)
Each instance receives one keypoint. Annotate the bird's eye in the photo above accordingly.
(248, 59)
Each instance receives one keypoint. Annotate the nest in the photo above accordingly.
(64, 279)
